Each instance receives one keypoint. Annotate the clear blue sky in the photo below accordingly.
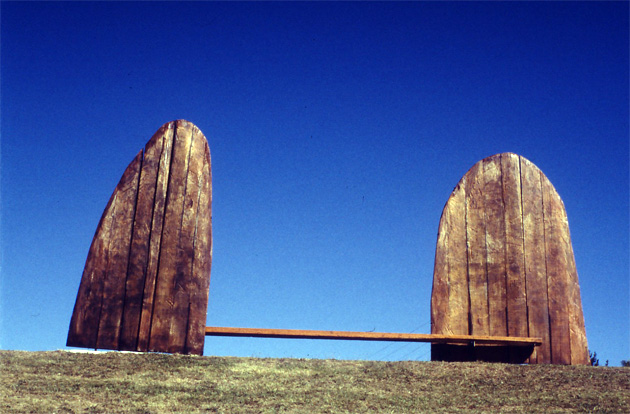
(337, 133)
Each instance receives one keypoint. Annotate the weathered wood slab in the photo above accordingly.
(118, 257)
(146, 279)
(477, 253)
(514, 249)
(518, 268)
(534, 252)
(450, 294)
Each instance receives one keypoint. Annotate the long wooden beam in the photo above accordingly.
(372, 336)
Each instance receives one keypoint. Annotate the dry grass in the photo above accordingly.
(63, 382)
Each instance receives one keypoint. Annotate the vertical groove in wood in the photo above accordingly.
(535, 271)
(130, 301)
(120, 241)
(514, 249)
(494, 208)
(459, 304)
(202, 254)
(164, 141)
(532, 359)
(167, 279)
(477, 255)
(185, 250)
(140, 243)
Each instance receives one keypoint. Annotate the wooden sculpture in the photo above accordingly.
(504, 266)
(146, 278)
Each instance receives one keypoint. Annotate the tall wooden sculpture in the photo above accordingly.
(504, 266)
(146, 278)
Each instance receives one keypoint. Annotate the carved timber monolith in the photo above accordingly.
(504, 266)
(146, 278)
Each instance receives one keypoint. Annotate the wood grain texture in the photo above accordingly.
(516, 297)
(458, 284)
(201, 260)
(535, 263)
(577, 331)
(141, 283)
(370, 336)
(494, 217)
(169, 279)
(520, 266)
(477, 253)
(450, 297)
(84, 323)
(557, 276)
(140, 245)
(164, 141)
(439, 291)
(494, 208)
(450, 294)
(118, 257)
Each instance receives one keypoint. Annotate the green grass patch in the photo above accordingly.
(65, 382)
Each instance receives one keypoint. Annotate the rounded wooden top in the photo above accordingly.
(504, 263)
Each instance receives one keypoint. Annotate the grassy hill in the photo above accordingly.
(64, 382)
